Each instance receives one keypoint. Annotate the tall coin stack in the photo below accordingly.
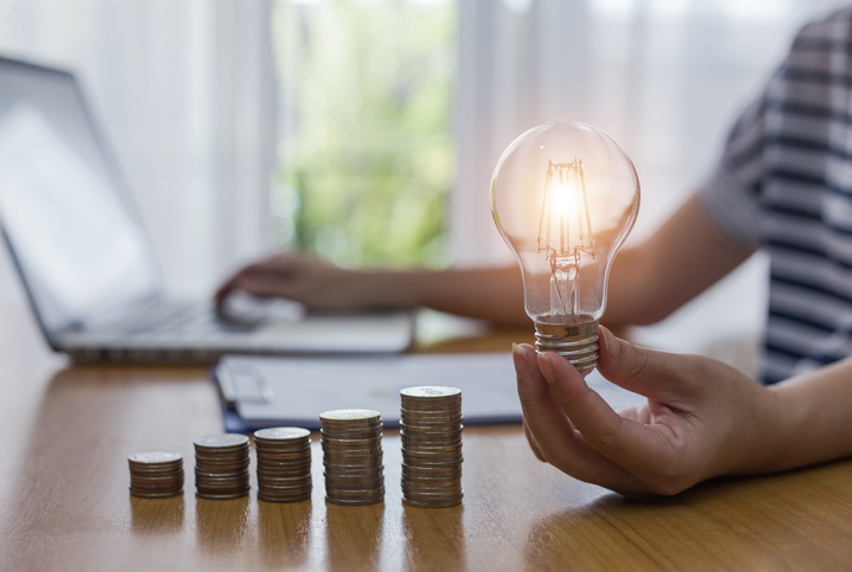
(156, 474)
(283, 464)
(352, 457)
(222, 466)
(431, 433)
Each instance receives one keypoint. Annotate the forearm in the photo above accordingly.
(680, 260)
(494, 294)
(648, 282)
(814, 419)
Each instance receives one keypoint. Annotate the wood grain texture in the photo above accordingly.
(64, 502)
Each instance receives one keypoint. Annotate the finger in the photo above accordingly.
(262, 286)
(628, 443)
(557, 440)
(231, 283)
(640, 413)
(533, 445)
(653, 374)
(235, 282)
(222, 293)
(280, 266)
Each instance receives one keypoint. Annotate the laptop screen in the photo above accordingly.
(75, 238)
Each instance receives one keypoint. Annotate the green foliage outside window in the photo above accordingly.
(366, 168)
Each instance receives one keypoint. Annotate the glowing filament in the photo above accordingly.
(565, 228)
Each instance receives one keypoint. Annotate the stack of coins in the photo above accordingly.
(156, 474)
(222, 466)
(431, 433)
(352, 457)
(283, 464)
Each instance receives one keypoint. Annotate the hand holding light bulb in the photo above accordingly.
(702, 419)
(564, 196)
(565, 216)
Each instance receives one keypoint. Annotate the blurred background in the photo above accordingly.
(366, 131)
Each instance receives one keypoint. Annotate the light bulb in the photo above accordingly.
(565, 196)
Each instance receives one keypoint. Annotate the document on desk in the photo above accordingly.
(271, 391)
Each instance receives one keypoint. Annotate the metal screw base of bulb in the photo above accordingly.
(577, 343)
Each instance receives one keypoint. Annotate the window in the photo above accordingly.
(367, 156)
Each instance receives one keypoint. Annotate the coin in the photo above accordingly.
(286, 479)
(431, 453)
(282, 433)
(431, 392)
(157, 458)
(222, 466)
(155, 481)
(155, 495)
(349, 417)
(283, 464)
(426, 438)
(351, 481)
(366, 443)
(223, 496)
(155, 474)
(353, 467)
(362, 501)
(433, 503)
(221, 441)
(264, 470)
(427, 473)
(366, 435)
(269, 497)
(273, 452)
(433, 478)
(353, 451)
(426, 410)
(431, 433)
(213, 477)
(154, 471)
(419, 429)
(284, 459)
(352, 456)
(451, 486)
(359, 433)
(146, 490)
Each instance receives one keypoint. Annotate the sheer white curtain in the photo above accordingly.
(185, 92)
(666, 78)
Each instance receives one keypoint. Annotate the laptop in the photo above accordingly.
(89, 268)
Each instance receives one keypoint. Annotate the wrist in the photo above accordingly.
(757, 443)
(812, 422)
(386, 288)
(780, 437)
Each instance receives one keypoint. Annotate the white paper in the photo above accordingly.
(294, 391)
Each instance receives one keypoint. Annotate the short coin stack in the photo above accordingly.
(431, 433)
(156, 474)
(352, 457)
(283, 464)
(222, 466)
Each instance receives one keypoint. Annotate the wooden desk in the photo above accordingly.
(64, 503)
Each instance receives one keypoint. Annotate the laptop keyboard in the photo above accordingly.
(189, 320)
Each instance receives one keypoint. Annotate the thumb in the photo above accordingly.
(640, 370)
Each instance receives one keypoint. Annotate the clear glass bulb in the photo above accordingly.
(565, 196)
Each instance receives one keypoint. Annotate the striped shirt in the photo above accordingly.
(784, 184)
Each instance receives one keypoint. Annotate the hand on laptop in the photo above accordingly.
(494, 293)
(316, 284)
